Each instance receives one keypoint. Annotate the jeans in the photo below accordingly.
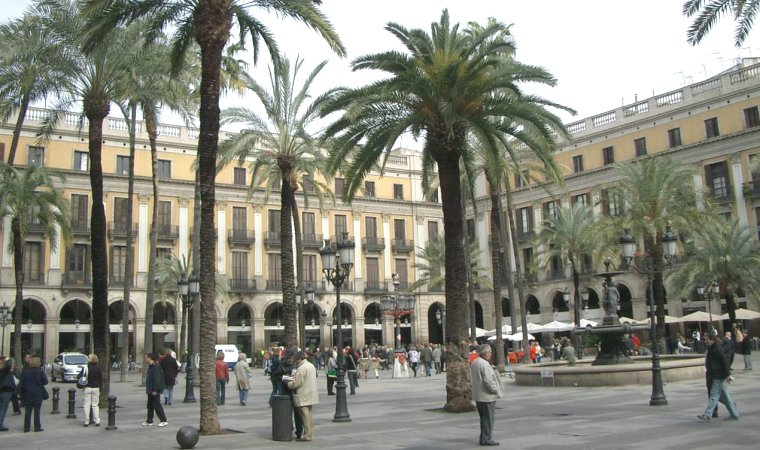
(243, 395)
(154, 404)
(352, 381)
(5, 401)
(427, 369)
(90, 399)
(747, 362)
(486, 411)
(220, 394)
(28, 416)
(720, 389)
(168, 393)
(438, 367)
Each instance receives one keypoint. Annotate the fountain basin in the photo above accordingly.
(583, 374)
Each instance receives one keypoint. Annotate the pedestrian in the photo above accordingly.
(375, 364)
(717, 365)
(747, 350)
(729, 344)
(414, 359)
(332, 371)
(349, 365)
(486, 389)
(7, 388)
(305, 395)
(427, 359)
(222, 374)
(568, 351)
(33, 381)
(91, 392)
(275, 375)
(243, 376)
(289, 372)
(437, 358)
(154, 384)
(171, 369)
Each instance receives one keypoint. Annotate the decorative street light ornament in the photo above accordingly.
(566, 296)
(242, 323)
(669, 241)
(628, 246)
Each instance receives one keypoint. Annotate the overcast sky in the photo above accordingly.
(603, 53)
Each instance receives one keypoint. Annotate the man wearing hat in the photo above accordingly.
(486, 388)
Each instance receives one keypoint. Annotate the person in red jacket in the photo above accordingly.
(222, 377)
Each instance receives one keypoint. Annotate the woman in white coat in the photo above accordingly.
(243, 374)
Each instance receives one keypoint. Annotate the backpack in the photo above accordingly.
(82, 380)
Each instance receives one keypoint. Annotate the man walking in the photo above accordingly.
(154, 384)
(170, 368)
(486, 388)
(305, 394)
(7, 388)
(427, 358)
(437, 358)
(718, 368)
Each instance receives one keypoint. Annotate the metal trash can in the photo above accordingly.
(282, 418)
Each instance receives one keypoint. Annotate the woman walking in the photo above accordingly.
(332, 371)
(91, 393)
(243, 374)
(33, 381)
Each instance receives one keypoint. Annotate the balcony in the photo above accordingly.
(373, 244)
(119, 230)
(34, 227)
(526, 235)
(274, 285)
(242, 285)
(116, 280)
(272, 239)
(312, 241)
(76, 280)
(555, 274)
(80, 228)
(167, 232)
(241, 237)
(724, 195)
(34, 280)
(402, 245)
(377, 287)
(751, 189)
(191, 232)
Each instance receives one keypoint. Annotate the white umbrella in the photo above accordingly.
(585, 323)
(627, 319)
(699, 316)
(668, 319)
(531, 327)
(556, 326)
(479, 332)
(518, 336)
(743, 314)
(505, 329)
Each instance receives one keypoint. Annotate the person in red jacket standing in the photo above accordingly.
(222, 377)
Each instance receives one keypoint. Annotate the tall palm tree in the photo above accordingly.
(431, 263)
(706, 13)
(209, 23)
(724, 252)
(659, 191)
(448, 86)
(281, 150)
(31, 196)
(31, 68)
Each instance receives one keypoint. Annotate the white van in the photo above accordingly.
(230, 354)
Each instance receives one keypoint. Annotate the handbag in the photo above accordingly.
(332, 373)
(45, 394)
(82, 381)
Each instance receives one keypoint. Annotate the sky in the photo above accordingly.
(604, 53)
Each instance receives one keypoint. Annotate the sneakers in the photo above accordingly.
(86, 424)
(163, 424)
(703, 418)
(147, 424)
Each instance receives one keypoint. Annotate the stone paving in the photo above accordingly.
(405, 414)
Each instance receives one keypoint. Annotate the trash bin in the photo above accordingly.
(282, 418)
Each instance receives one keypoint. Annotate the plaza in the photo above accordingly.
(391, 413)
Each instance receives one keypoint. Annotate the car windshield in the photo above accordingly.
(75, 359)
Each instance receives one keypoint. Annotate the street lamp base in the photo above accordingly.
(341, 406)
(189, 392)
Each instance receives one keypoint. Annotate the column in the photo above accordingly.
(741, 205)
(7, 257)
(357, 328)
(387, 257)
(51, 337)
(359, 258)
(420, 238)
(184, 229)
(258, 333)
(258, 246)
(143, 237)
(326, 224)
(697, 177)
(221, 238)
(537, 220)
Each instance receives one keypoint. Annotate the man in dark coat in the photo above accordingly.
(7, 388)
(171, 369)
(154, 384)
(719, 370)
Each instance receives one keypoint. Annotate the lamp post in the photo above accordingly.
(440, 316)
(576, 316)
(710, 293)
(188, 290)
(5, 319)
(336, 266)
(303, 303)
(628, 246)
(395, 306)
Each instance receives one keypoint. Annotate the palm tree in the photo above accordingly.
(281, 150)
(659, 191)
(431, 260)
(209, 23)
(708, 12)
(724, 252)
(31, 196)
(31, 68)
(449, 86)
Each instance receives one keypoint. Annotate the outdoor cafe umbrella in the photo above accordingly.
(742, 314)
(556, 326)
(518, 336)
(668, 319)
(505, 329)
(531, 327)
(479, 332)
(627, 319)
(698, 316)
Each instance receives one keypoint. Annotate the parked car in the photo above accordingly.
(67, 365)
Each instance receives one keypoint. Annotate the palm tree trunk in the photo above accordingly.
(299, 273)
(504, 248)
(194, 325)
(520, 281)
(458, 389)
(152, 129)
(18, 269)
(496, 271)
(468, 272)
(96, 110)
(17, 128)
(286, 251)
(212, 29)
(128, 269)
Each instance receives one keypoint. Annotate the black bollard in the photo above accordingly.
(56, 399)
(72, 404)
(111, 413)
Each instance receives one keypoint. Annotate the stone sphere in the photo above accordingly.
(187, 436)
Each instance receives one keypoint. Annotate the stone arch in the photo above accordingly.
(625, 307)
(32, 308)
(239, 311)
(558, 302)
(435, 329)
(478, 315)
(164, 311)
(373, 313)
(73, 310)
(593, 299)
(532, 306)
(273, 314)
(115, 312)
(346, 312)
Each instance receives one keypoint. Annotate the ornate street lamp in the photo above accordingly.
(5, 319)
(708, 294)
(188, 290)
(303, 303)
(628, 247)
(440, 317)
(396, 306)
(336, 266)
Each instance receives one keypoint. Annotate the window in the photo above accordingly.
(757, 221)
(608, 155)
(274, 266)
(751, 117)
(164, 169)
(398, 191)
(164, 217)
(239, 268)
(308, 183)
(524, 220)
(612, 203)
(239, 221)
(432, 230)
(754, 161)
(717, 179)
(399, 229)
(580, 198)
(2, 151)
(33, 269)
(81, 161)
(120, 219)
(309, 225)
(369, 188)
(518, 180)
(310, 268)
(163, 252)
(122, 165)
(373, 272)
(550, 210)
(674, 137)
(339, 185)
(711, 128)
(79, 217)
(640, 145)
(36, 156)
(238, 176)
(370, 227)
(77, 263)
(588, 263)
(578, 163)
(403, 276)
(471, 229)
(434, 196)
(527, 259)
(341, 226)
(118, 263)
(274, 222)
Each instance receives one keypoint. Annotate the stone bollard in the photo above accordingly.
(72, 404)
(111, 413)
(56, 399)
